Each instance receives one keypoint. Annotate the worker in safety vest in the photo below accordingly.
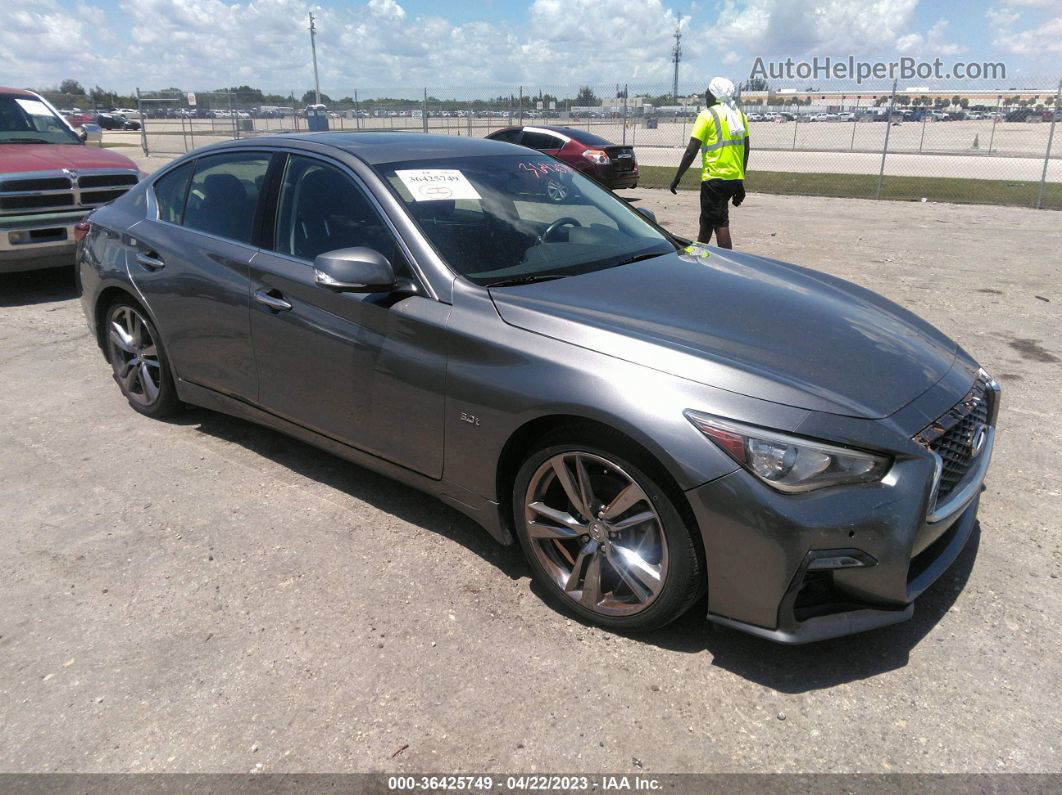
(721, 134)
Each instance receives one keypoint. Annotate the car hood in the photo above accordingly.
(745, 324)
(20, 158)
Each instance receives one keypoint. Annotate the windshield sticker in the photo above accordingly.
(437, 184)
(33, 107)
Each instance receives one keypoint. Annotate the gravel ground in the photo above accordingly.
(205, 595)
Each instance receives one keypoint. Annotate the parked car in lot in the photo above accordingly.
(115, 121)
(77, 118)
(49, 181)
(1019, 114)
(613, 165)
(652, 420)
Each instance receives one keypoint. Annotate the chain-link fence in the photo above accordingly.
(985, 144)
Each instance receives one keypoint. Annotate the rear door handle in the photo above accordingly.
(149, 262)
(275, 302)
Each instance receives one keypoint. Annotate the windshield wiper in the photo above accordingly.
(528, 279)
(638, 258)
(22, 141)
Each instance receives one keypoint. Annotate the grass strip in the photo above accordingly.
(1013, 193)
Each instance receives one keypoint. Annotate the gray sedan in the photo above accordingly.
(653, 420)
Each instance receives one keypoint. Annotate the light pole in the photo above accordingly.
(313, 47)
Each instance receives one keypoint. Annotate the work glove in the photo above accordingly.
(739, 194)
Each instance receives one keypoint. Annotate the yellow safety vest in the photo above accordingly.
(722, 149)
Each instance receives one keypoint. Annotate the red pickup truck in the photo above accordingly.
(49, 181)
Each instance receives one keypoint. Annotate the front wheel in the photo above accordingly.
(604, 539)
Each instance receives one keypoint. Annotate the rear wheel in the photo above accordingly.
(139, 362)
(603, 538)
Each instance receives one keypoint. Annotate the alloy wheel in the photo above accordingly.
(556, 190)
(134, 355)
(596, 533)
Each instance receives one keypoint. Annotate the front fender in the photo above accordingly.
(499, 378)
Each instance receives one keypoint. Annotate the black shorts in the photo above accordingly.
(715, 201)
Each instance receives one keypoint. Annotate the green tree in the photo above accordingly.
(71, 86)
(586, 97)
(309, 98)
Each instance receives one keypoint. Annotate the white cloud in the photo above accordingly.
(34, 38)
(388, 9)
(374, 44)
(377, 45)
(932, 44)
(1036, 41)
(797, 28)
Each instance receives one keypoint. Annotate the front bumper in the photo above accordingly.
(797, 568)
(33, 242)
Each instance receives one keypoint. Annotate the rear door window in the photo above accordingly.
(224, 194)
(171, 190)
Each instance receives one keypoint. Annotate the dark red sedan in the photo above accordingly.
(613, 165)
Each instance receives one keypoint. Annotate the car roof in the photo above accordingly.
(577, 133)
(569, 131)
(387, 147)
(19, 92)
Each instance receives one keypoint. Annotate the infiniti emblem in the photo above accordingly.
(978, 439)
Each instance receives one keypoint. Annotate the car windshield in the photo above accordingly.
(28, 120)
(511, 219)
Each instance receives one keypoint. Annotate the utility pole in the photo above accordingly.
(676, 56)
(313, 47)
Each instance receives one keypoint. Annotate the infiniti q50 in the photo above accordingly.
(652, 420)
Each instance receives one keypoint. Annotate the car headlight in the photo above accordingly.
(789, 463)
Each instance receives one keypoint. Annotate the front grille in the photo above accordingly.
(53, 201)
(46, 183)
(60, 191)
(106, 180)
(952, 437)
(94, 198)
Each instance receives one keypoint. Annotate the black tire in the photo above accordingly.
(139, 359)
(685, 571)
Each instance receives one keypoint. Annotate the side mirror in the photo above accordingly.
(647, 213)
(354, 270)
(82, 135)
(91, 133)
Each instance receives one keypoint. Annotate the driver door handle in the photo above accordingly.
(273, 299)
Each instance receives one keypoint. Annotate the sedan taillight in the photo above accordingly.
(81, 230)
(596, 156)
